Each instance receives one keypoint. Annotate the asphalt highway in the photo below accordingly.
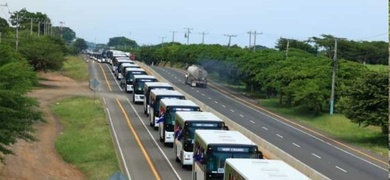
(142, 156)
(331, 158)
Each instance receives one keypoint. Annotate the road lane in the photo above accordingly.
(333, 158)
(158, 154)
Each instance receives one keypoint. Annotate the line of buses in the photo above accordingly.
(199, 139)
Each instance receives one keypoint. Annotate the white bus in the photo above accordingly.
(168, 108)
(184, 131)
(127, 82)
(213, 147)
(122, 67)
(155, 97)
(255, 169)
(153, 85)
(116, 63)
(138, 85)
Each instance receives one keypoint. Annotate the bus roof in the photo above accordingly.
(144, 77)
(197, 116)
(163, 92)
(157, 84)
(129, 65)
(223, 137)
(178, 102)
(254, 169)
(124, 60)
(134, 69)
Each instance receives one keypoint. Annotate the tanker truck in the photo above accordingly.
(196, 76)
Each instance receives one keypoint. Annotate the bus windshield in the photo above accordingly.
(216, 159)
(130, 75)
(201, 125)
(170, 117)
(139, 85)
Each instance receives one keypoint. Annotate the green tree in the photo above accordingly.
(302, 45)
(65, 32)
(80, 45)
(23, 18)
(42, 52)
(366, 101)
(122, 41)
(17, 111)
(4, 26)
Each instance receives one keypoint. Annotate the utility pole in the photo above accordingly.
(288, 44)
(61, 26)
(254, 40)
(17, 31)
(39, 28)
(203, 33)
(31, 25)
(250, 39)
(333, 77)
(230, 37)
(173, 35)
(162, 41)
(187, 34)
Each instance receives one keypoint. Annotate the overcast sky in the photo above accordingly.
(145, 21)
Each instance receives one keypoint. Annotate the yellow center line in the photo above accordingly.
(307, 129)
(105, 77)
(139, 143)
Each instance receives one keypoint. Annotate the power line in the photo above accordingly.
(230, 37)
(203, 33)
(173, 35)
(254, 40)
(250, 39)
(187, 34)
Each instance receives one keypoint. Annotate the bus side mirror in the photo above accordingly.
(226, 128)
(260, 155)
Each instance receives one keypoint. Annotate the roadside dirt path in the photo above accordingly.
(39, 160)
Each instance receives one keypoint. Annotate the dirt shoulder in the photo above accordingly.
(39, 160)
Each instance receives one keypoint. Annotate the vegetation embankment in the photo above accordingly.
(85, 140)
(76, 68)
(35, 49)
(297, 81)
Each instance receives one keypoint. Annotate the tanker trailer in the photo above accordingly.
(196, 76)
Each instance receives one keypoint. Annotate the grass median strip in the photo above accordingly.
(85, 140)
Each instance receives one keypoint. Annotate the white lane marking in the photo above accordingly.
(216, 102)
(264, 128)
(113, 76)
(203, 94)
(280, 121)
(151, 136)
(241, 115)
(317, 156)
(231, 110)
(296, 145)
(279, 135)
(117, 141)
(252, 121)
(196, 90)
(104, 101)
(223, 106)
(341, 169)
(209, 97)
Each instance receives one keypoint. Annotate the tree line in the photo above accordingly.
(297, 76)
(25, 51)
